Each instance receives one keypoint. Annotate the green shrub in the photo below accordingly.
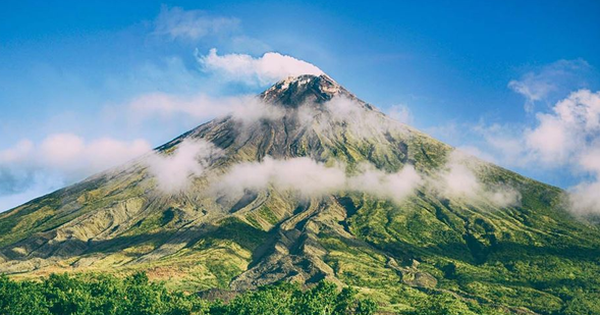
(62, 294)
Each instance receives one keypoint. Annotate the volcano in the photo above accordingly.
(310, 183)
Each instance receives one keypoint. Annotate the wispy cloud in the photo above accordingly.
(173, 171)
(71, 154)
(359, 121)
(179, 24)
(201, 107)
(393, 186)
(264, 70)
(401, 113)
(566, 137)
(539, 84)
(310, 178)
(305, 176)
(459, 180)
(302, 175)
(30, 168)
(570, 135)
(568, 131)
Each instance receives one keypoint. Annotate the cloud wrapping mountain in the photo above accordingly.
(173, 172)
(339, 189)
(395, 186)
(309, 178)
(264, 70)
(570, 135)
(244, 108)
(567, 137)
(303, 175)
(457, 179)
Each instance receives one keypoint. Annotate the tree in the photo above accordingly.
(366, 307)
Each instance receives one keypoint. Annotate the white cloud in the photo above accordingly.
(584, 199)
(457, 179)
(198, 106)
(173, 171)
(499, 143)
(202, 107)
(17, 152)
(504, 196)
(550, 141)
(27, 168)
(401, 113)
(267, 69)
(71, 155)
(177, 23)
(302, 175)
(567, 137)
(538, 85)
(531, 89)
(360, 121)
(560, 138)
(61, 150)
(590, 160)
(565, 134)
(395, 186)
(310, 178)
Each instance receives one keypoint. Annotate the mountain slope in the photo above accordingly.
(522, 256)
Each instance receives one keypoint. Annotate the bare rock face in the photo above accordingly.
(203, 239)
(305, 89)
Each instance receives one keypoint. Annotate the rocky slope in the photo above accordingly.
(526, 255)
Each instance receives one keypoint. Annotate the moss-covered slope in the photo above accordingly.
(472, 257)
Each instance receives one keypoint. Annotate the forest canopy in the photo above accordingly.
(62, 294)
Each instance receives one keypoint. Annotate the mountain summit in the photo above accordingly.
(311, 183)
(297, 90)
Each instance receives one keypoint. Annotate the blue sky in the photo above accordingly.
(483, 77)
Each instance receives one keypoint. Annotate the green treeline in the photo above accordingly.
(61, 294)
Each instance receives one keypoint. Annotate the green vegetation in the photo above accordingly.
(485, 259)
(61, 294)
(428, 254)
